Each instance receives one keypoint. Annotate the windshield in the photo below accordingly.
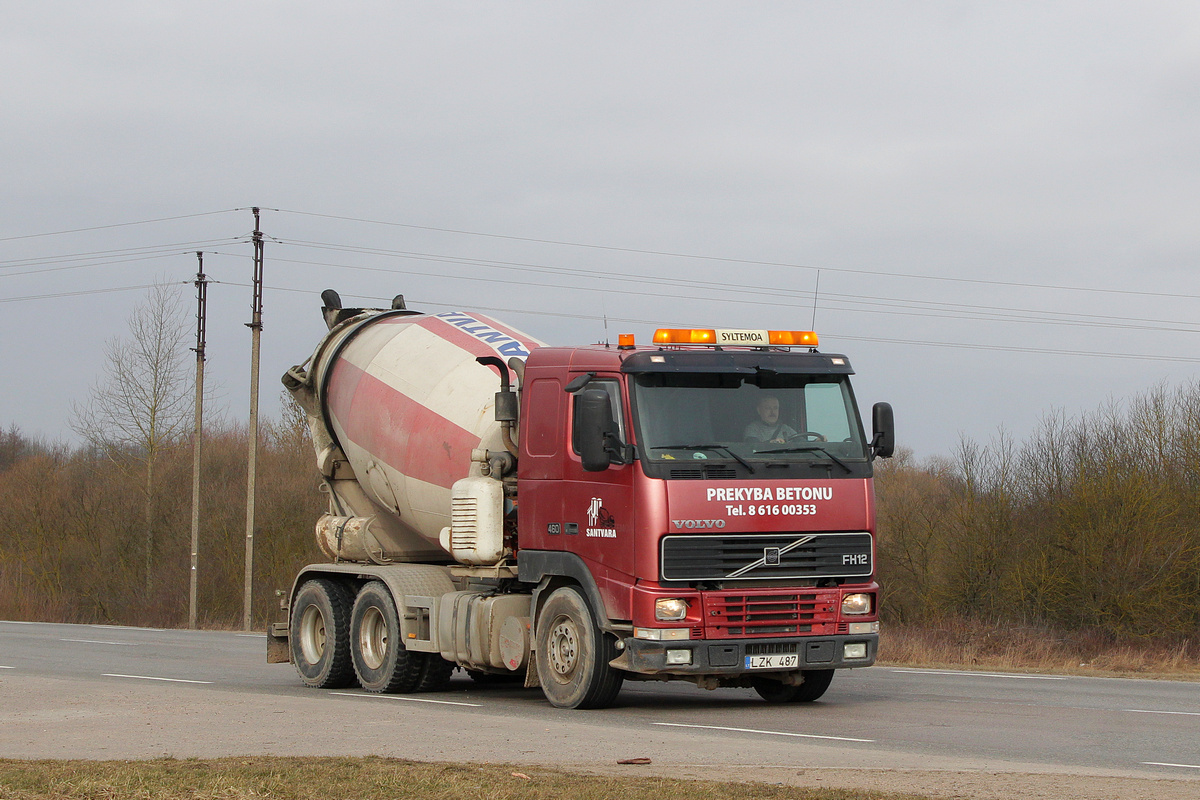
(748, 419)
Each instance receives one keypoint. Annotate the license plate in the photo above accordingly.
(784, 661)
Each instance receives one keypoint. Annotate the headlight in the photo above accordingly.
(670, 609)
(854, 650)
(855, 604)
(679, 656)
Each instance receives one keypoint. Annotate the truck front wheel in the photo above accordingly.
(816, 681)
(319, 635)
(573, 654)
(381, 661)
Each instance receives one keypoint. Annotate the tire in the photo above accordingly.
(319, 634)
(573, 654)
(435, 676)
(816, 681)
(774, 691)
(381, 662)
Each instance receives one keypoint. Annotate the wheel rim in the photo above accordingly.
(312, 634)
(373, 638)
(563, 648)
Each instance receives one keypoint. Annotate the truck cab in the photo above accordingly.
(713, 504)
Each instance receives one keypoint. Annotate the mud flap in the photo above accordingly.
(278, 651)
(531, 673)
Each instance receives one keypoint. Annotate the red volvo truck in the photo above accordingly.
(699, 508)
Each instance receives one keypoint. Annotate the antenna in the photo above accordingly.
(816, 289)
(604, 315)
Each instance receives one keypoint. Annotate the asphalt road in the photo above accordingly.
(94, 692)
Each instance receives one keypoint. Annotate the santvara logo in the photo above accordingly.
(601, 524)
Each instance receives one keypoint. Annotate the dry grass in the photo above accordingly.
(967, 645)
(363, 779)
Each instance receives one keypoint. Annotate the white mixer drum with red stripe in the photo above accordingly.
(405, 399)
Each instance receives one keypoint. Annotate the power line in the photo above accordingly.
(81, 292)
(1015, 349)
(170, 248)
(117, 225)
(843, 302)
(826, 336)
(760, 296)
(999, 313)
(744, 261)
(751, 295)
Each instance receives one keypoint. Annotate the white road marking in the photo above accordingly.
(17, 622)
(983, 674)
(252, 635)
(1162, 764)
(406, 699)
(151, 678)
(2, 667)
(128, 628)
(1147, 711)
(768, 733)
(97, 641)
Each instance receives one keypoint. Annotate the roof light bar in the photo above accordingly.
(744, 338)
(685, 336)
(795, 338)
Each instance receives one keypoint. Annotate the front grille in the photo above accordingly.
(715, 557)
(740, 615)
(708, 472)
(771, 649)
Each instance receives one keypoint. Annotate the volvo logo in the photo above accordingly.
(699, 523)
(771, 556)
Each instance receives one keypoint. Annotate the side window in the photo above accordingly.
(613, 390)
(826, 411)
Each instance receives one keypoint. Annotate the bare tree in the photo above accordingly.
(141, 404)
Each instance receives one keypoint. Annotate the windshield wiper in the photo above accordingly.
(734, 455)
(808, 448)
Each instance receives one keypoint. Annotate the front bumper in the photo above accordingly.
(729, 656)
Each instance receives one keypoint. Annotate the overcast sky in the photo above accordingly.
(1001, 201)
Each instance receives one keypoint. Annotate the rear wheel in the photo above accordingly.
(319, 635)
(816, 681)
(573, 654)
(435, 675)
(380, 659)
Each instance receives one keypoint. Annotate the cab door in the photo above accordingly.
(598, 512)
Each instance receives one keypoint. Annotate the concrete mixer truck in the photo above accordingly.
(699, 508)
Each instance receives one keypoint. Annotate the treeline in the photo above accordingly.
(1091, 524)
(77, 544)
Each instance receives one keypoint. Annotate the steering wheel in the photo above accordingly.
(807, 436)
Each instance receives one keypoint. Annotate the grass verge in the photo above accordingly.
(370, 778)
(963, 644)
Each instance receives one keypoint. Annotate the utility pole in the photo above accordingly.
(198, 431)
(255, 326)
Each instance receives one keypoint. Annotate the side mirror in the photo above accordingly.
(883, 442)
(594, 418)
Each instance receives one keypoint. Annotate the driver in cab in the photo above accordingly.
(768, 428)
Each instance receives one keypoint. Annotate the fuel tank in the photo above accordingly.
(396, 403)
